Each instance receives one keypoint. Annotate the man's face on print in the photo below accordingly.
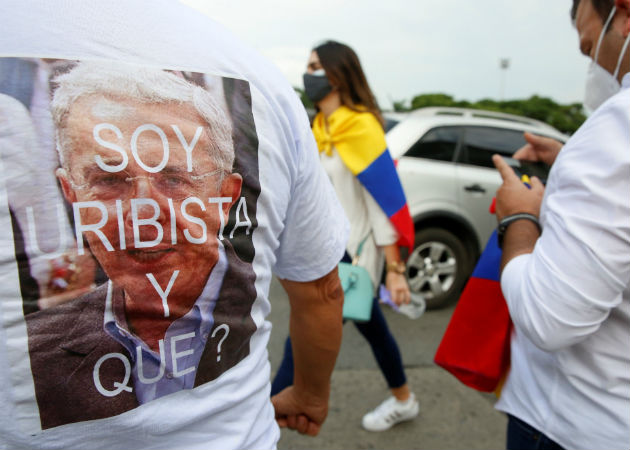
(149, 189)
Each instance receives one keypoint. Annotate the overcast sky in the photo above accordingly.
(410, 47)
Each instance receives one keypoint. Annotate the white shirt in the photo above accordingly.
(42, 119)
(300, 230)
(570, 298)
(32, 191)
(367, 218)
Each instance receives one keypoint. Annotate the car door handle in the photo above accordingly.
(474, 188)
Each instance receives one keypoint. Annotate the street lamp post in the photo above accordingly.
(504, 65)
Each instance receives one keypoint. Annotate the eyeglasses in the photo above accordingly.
(119, 185)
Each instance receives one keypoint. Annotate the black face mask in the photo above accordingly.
(316, 87)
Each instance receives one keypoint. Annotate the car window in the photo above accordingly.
(480, 143)
(439, 143)
(390, 123)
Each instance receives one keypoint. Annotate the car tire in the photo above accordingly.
(438, 267)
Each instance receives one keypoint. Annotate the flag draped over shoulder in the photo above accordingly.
(360, 142)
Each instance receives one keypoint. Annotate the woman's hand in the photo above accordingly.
(396, 284)
(395, 280)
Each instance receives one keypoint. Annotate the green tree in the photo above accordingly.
(305, 100)
(400, 106)
(566, 118)
(425, 100)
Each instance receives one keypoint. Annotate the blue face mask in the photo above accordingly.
(316, 85)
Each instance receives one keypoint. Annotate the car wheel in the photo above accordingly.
(437, 267)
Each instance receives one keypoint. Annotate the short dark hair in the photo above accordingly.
(603, 8)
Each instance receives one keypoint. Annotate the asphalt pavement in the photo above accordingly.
(452, 416)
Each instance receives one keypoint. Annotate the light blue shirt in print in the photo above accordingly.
(173, 368)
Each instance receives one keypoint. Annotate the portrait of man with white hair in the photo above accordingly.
(148, 166)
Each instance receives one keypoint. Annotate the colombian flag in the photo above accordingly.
(359, 140)
(476, 345)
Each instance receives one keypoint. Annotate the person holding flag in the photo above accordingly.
(349, 133)
(565, 265)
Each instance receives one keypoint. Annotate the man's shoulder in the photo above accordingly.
(613, 113)
(84, 311)
(605, 132)
(619, 104)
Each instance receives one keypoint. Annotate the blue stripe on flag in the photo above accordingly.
(381, 180)
(489, 264)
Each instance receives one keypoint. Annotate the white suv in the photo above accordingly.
(445, 166)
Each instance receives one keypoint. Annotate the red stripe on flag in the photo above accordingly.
(476, 345)
(404, 225)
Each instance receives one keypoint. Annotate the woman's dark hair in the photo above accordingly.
(344, 72)
(602, 7)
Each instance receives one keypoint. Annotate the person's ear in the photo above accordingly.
(623, 6)
(66, 186)
(231, 187)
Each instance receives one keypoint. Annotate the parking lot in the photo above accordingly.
(452, 416)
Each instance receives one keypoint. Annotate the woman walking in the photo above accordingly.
(350, 137)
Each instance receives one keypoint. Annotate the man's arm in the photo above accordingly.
(315, 329)
(562, 290)
(513, 197)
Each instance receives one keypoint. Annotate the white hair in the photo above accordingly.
(146, 85)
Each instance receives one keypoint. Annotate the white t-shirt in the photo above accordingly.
(39, 191)
(570, 299)
(63, 382)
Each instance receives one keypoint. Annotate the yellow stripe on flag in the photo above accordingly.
(357, 137)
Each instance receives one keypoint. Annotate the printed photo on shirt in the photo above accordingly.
(132, 193)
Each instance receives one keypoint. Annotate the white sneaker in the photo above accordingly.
(389, 413)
